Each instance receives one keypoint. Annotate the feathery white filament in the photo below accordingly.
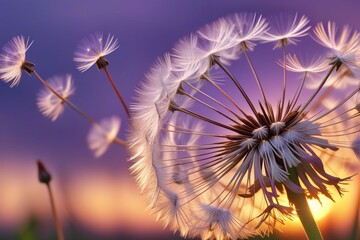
(51, 105)
(92, 48)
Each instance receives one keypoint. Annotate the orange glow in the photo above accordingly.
(342, 217)
(98, 201)
(320, 210)
(106, 203)
(338, 214)
(22, 195)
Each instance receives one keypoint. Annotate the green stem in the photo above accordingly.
(303, 209)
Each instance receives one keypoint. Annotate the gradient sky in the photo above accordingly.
(145, 29)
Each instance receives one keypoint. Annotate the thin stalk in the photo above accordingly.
(256, 78)
(116, 91)
(118, 141)
(298, 93)
(318, 89)
(175, 107)
(339, 104)
(284, 83)
(213, 99)
(60, 233)
(225, 94)
(71, 105)
(208, 105)
(303, 209)
(327, 92)
(242, 91)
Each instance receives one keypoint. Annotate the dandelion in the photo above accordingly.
(217, 163)
(92, 50)
(344, 46)
(48, 103)
(13, 60)
(103, 134)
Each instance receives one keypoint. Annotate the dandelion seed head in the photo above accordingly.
(103, 134)
(212, 169)
(13, 60)
(93, 49)
(51, 105)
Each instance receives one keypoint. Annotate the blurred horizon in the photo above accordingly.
(98, 198)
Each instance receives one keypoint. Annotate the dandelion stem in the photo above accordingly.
(59, 231)
(71, 105)
(116, 91)
(356, 228)
(303, 209)
(45, 178)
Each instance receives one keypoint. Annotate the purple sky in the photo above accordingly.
(145, 30)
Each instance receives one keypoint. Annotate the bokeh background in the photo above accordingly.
(98, 198)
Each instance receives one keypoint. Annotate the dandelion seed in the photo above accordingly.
(102, 135)
(51, 105)
(289, 34)
(218, 37)
(294, 64)
(214, 170)
(93, 50)
(248, 29)
(13, 60)
(344, 46)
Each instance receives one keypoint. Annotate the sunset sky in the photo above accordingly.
(99, 196)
